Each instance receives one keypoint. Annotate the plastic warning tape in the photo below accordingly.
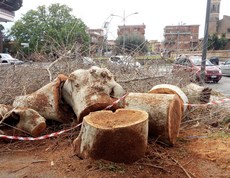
(56, 133)
(117, 101)
(39, 138)
(211, 103)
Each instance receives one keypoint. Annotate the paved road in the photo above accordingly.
(223, 86)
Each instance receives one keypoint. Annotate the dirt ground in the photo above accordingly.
(198, 153)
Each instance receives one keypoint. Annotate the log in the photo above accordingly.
(90, 90)
(171, 89)
(48, 102)
(94, 102)
(164, 114)
(27, 119)
(119, 136)
(197, 94)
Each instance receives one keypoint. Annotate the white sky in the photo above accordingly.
(155, 14)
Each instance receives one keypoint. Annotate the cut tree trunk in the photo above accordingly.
(197, 94)
(119, 136)
(171, 89)
(26, 119)
(48, 102)
(164, 110)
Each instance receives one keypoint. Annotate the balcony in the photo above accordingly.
(6, 16)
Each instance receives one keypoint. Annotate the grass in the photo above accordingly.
(110, 166)
(219, 134)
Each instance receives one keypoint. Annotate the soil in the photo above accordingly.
(198, 152)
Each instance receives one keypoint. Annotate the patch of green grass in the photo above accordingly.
(219, 134)
(226, 120)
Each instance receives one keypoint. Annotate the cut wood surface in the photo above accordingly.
(164, 113)
(119, 136)
(171, 89)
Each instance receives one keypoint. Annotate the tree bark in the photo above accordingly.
(197, 94)
(164, 111)
(171, 89)
(119, 137)
(27, 119)
(48, 101)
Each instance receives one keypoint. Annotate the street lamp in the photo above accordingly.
(124, 17)
(106, 27)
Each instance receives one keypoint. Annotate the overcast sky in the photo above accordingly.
(154, 14)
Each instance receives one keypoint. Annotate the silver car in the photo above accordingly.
(8, 59)
(225, 68)
(124, 60)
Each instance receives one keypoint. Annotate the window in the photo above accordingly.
(228, 30)
(227, 62)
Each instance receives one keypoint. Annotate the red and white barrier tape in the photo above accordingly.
(39, 138)
(211, 103)
(117, 101)
(56, 133)
(108, 107)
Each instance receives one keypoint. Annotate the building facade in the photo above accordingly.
(96, 41)
(131, 29)
(181, 37)
(7, 9)
(217, 25)
(155, 46)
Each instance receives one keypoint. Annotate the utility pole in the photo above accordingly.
(205, 41)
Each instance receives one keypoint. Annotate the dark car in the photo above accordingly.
(191, 65)
(215, 60)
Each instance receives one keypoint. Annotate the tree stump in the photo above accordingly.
(171, 89)
(197, 94)
(119, 136)
(164, 113)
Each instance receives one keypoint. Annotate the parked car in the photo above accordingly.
(124, 60)
(225, 67)
(88, 60)
(215, 60)
(192, 66)
(8, 59)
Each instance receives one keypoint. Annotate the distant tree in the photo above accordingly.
(50, 29)
(1, 37)
(1, 27)
(134, 43)
(217, 43)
